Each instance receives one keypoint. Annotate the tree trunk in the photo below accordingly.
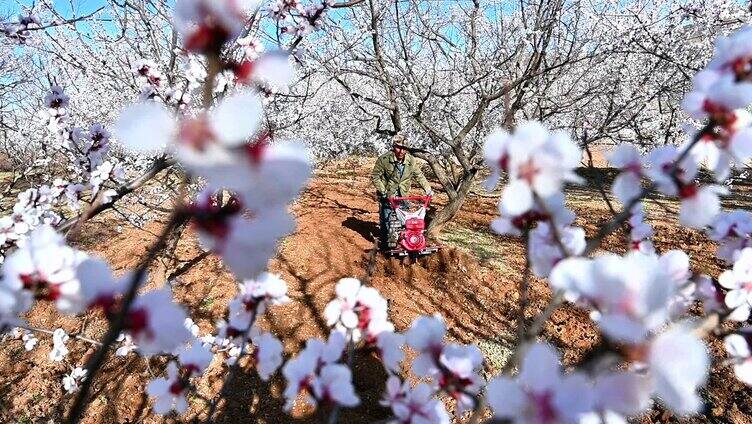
(449, 211)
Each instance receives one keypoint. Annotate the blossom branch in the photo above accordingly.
(50, 332)
(118, 322)
(624, 215)
(235, 368)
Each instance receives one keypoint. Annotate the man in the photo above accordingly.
(392, 176)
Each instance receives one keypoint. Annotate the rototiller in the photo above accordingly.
(407, 228)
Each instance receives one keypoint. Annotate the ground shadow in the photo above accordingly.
(367, 229)
(253, 400)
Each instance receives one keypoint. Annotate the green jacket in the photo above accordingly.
(386, 177)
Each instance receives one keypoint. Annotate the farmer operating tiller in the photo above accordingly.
(402, 228)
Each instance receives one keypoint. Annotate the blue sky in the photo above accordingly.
(81, 7)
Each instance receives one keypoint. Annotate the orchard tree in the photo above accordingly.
(446, 74)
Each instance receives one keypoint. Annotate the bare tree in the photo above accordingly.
(445, 74)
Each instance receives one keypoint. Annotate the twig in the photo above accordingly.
(157, 166)
(182, 269)
(50, 332)
(67, 21)
(523, 289)
(537, 325)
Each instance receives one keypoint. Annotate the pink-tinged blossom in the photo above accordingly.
(240, 320)
(145, 127)
(539, 162)
(56, 98)
(73, 195)
(732, 56)
(540, 393)
(19, 30)
(155, 323)
(550, 209)
(195, 358)
(738, 282)
(299, 372)
(622, 394)
(302, 371)
(266, 289)
(659, 163)
(72, 380)
(714, 95)
(59, 350)
(253, 47)
(334, 385)
(146, 71)
(739, 350)
(732, 231)
(272, 69)
(11, 230)
(390, 348)
(396, 390)
(280, 10)
(45, 267)
(699, 204)
(246, 245)
(640, 231)
(191, 326)
(426, 337)
(265, 175)
(329, 352)
(727, 145)
(413, 406)
(460, 365)
(267, 354)
(206, 25)
(678, 363)
(14, 301)
(98, 285)
(545, 251)
(496, 155)
(675, 264)
(710, 293)
(169, 393)
(627, 185)
(630, 305)
(358, 309)
(200, 140)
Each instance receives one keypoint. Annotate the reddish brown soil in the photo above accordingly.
(336, 217)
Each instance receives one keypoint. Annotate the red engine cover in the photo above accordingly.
(414, 224)
(413, 239)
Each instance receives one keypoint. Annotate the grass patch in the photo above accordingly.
(481, 243)
(496, 353)
(206, 304)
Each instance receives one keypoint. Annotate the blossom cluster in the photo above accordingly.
(538, 163)
(297, 19)
(90, 172)
(639, 311)
(19, 30)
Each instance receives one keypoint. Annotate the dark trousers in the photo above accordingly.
(387, 214)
